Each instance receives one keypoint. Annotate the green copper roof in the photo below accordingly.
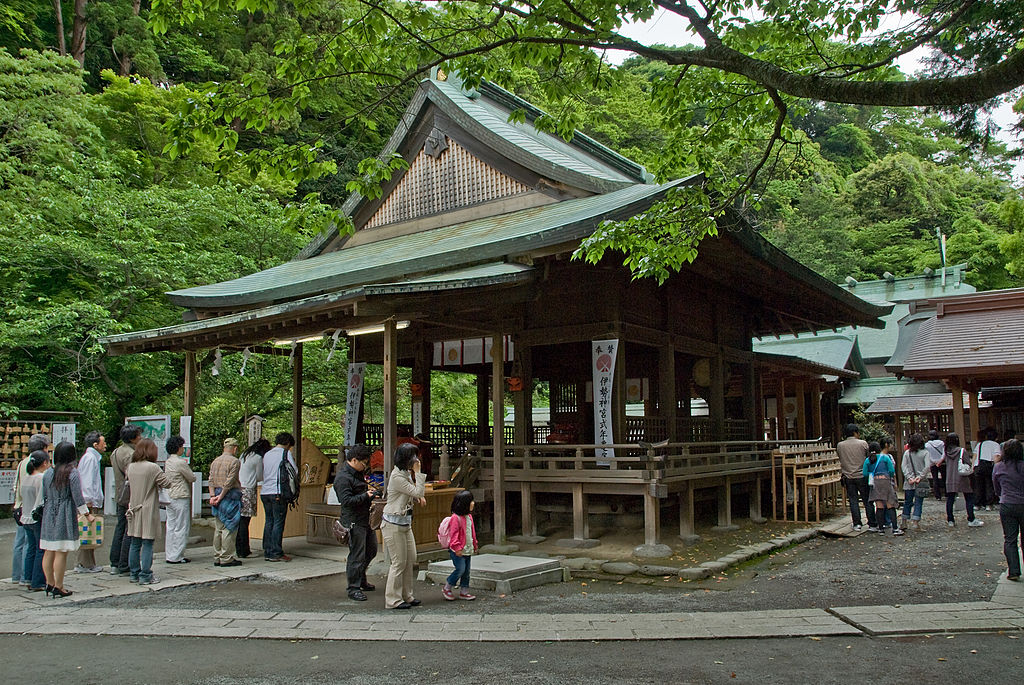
(877, 345)
(835, 351)
(866, 390)
(456, 246)
(473, 277)
(909, 288)
(580, 161)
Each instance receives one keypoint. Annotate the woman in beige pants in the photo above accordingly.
(405, 487)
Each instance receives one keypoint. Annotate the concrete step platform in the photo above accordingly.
(501, 573)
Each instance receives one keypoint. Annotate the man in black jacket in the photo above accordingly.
(355, 495)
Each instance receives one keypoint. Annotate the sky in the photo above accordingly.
(670, 29)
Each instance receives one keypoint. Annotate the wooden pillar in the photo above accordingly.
(190, 384)
(686, 528)
(750, 401)
(652, 519)
(498, 402)
(667, 399)
(817, 426)
(755, 501)
(956, 387)
(780, 410)
(580, 521)
(483, 410)
(801, 412)
(526, 499)
(716, 397)
(390, 395)
(523, 399)
(297, 402)
(725, 504)
(972, 397)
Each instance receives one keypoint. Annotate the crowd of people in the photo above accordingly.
(986, 474)
(56, 489)
(406, 488)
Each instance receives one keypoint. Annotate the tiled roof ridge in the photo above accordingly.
(579, 139)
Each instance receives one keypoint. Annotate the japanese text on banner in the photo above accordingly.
(603, 363)
(356, 373)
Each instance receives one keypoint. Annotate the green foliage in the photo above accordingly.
(872, 428)
(97, 224)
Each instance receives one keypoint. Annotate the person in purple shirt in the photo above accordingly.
(1008, 481)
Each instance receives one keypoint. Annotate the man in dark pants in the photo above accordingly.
(852, 452)
(274, 508)
(355, 495)
(119, 460)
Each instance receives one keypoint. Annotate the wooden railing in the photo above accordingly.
(633, 463)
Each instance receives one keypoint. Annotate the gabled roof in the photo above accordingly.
(834, 351)
(977, 336)
(483, 113)
(878, 345)
(447, 247)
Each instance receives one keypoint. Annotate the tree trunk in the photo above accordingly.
(126, 60)
(58, 20)
(78, 32)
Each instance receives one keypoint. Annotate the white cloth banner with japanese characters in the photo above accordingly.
(356, 372)
(603, 364)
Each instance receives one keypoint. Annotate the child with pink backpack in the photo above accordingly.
(458, 534)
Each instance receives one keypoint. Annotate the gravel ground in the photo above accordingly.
(937, 565)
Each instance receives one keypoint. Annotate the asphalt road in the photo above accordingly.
(984, 658)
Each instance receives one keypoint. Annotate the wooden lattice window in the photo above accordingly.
(441, 179)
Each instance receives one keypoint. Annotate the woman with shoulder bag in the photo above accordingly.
(32, 502)
(916, 479)
(406, 486)
(957, 481)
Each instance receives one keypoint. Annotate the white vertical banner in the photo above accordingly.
(356, 373)
(603, 366)
(417, 417)
(185, 431)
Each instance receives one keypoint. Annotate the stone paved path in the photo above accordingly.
(33, 613)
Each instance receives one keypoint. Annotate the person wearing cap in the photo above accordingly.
(39, 441)
(225, 487)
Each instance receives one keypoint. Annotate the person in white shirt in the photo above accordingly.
(249, 476)
(989, 453)
(936, 453)
(179, 508)
(92, 491)
(274, 507)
